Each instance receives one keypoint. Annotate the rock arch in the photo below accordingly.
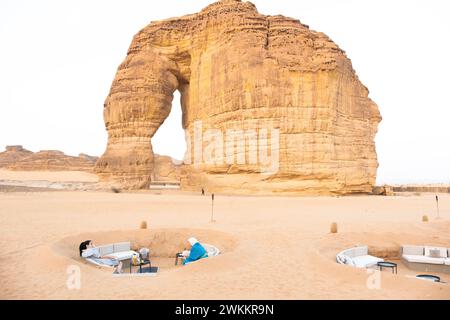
(238, 69)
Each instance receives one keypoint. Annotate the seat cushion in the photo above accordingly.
(436, 252)
(447, 262)
(413, 250)
(122, 246)
(122, 255)
(211, 250)
(423, 259)
(355, 252)
(105, 249)
(365, 261)
(361, 251)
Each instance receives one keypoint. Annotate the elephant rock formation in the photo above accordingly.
(238, 70)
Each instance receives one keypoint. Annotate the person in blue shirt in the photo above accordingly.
(197, 251)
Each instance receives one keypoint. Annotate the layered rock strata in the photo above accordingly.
(18, 158)
(12, 154)
(288, 91)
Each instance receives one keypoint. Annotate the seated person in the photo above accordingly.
(85, 245)
(90, 252)
(195, 253)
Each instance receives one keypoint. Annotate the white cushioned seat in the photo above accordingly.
(211, 250)
(123, 255)
(343, 259)
(105, 249)
(122, 246)
(423, 259)
(365, 261)
(413, 250)
(357, 257)
(442, 251)
(356, 252)
(361, 251)
(447, 262)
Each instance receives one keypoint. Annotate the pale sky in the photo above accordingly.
(58, 59)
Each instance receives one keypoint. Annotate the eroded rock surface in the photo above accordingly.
(18, 158)
(12, 154)
(237, 69)
(166, 169)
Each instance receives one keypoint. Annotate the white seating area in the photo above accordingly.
(426, 258)
(211, 250)
(105, 255)
(119, 251)
(357, 257)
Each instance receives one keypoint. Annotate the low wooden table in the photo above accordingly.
(387, 264)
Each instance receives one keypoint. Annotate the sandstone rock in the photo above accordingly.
(237, 69)
(166, 169)
(385, 190)
(17, 158)
(12, 154)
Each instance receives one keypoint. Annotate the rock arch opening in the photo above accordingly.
(169, 147)
(169, 139)
(240, 70)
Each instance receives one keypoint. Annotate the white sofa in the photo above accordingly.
(118, 251)
(357, 257)
(211, 250)
(426, 258)
(104, 255)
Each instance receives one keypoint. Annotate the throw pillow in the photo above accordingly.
(435, 253)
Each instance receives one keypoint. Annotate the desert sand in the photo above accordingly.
(51, 176)
(272, 247)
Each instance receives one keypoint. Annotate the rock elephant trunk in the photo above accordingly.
(138, 103)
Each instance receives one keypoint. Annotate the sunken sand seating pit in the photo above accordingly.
(163, 244)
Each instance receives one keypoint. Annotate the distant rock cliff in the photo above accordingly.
(166, 169)
(13, 154)
(18, 158)
(240, 70)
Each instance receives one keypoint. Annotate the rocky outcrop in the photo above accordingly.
(12, 154)
(18, 158)
(166, 169)
(265, 84)
(385, 190)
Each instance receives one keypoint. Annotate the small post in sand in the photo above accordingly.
(212, 208)
(437, 206)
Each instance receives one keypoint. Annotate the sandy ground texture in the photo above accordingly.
(51, 176)
(38, 181)
(273, 247)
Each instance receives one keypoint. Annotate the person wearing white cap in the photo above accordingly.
(197, 251)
